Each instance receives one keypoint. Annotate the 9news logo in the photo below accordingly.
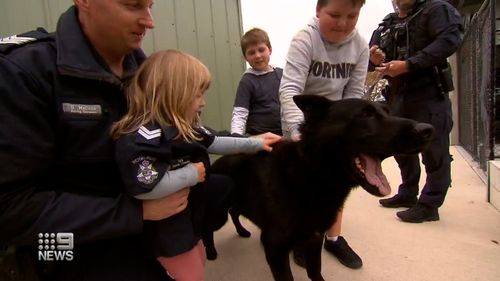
(55, 246)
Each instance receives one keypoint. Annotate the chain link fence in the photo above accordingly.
(478, 91)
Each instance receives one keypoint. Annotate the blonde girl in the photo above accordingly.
(162, 148)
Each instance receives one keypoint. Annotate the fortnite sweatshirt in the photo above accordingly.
(315, 66)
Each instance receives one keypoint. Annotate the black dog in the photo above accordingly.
(293, 193)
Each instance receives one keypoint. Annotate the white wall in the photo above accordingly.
(283, 18)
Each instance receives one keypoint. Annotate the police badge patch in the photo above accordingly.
(146, 173)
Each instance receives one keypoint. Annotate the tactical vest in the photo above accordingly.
(401, 38)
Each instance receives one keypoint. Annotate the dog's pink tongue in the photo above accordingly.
(374, 174)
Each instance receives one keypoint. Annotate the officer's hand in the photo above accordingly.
(393, 68)
(377, 56)
(296, 137)
(159, 209)
(200, 167)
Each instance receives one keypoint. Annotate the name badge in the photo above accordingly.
(83, 109)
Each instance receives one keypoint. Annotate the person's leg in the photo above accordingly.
(437, 161)
(437, 158)
(188, 266)
(438, 178)
(334, 231)
(338, 246)
(409, 165)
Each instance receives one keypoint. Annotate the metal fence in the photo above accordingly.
(479, 124)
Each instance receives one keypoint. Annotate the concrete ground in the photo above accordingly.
(463, 245)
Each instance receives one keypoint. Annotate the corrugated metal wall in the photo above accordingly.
(208, 29)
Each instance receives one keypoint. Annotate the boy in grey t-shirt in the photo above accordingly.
(257, 106)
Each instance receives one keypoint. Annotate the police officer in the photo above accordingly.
(59, 95)
(410, 48)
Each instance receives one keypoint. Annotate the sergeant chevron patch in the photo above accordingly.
(147, 134)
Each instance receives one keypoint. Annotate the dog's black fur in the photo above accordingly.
(293, 193)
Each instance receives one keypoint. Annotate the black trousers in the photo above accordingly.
(426, 105)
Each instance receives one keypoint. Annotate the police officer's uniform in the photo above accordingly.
(425, 38)
(58, 100)
(143, 160)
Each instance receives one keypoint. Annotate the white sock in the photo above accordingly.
(332, 238)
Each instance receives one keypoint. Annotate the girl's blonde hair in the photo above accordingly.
(162, 92)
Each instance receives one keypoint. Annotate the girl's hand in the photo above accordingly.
(201, 171)
(268, 140)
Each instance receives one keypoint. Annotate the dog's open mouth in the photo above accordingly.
(370, 169)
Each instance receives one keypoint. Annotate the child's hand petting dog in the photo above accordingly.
(268, 139)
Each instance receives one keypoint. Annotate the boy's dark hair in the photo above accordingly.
(252, 37)
(322, 3)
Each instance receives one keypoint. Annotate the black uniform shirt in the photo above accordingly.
(146, 155)
(58, 172)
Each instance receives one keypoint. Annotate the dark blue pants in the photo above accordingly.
(434, 109)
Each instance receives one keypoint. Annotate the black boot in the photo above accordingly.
(419, 213)
(341, 250)
(398, 201)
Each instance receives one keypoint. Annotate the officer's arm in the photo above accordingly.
(375, 39)
(444, 23)
(27, 149)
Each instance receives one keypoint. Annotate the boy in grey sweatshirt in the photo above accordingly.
(336, 70)
(328, 58)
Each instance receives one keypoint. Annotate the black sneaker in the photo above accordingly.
(398, 201)
(419, 213)
(343, 252)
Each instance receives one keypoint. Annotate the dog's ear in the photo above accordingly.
(312, 105)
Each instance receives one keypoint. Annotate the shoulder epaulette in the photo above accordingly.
(14, 41)
(389, 17)
(387, 20)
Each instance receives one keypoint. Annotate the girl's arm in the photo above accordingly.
(232, 145)
(171, 182)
